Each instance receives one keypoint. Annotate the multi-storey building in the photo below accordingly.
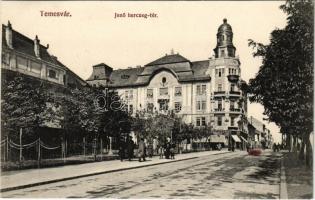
(203, 93)
(22, 56)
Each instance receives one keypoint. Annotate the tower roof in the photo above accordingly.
(225, 27)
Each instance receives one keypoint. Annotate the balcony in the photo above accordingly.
(219, 93)
(233, 78)
(219, 110)
(234, 93)
(235, 110)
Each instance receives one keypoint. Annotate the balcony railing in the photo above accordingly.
(219, 110)
(219, 92)
(235, 92)
(233, 78)
(235, 110)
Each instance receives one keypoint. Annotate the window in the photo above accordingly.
(232, 121)
(128, 94)
(203, 89)
(64, 79)
(219, 87)
(149, 93)
(198, 105)
(52, 74)
(131, 94)
(203, 121)
(232, 105)
(198, 90)
(219, 72)
(21, 63)
(232, 87)
(163, 91)
(163, 80)
(6, 58)
(219, 120)
(203, 105)
(178, 107)
(163, 104)
(178, 91)
(198, 121)
(36, 67)
(150, 107)
(220, 104)
(130, 108)
(222, 53)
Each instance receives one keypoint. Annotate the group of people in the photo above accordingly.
(167, 150)
(128, 146)
(277, 147)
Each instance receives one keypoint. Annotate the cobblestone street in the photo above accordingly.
(232, 175)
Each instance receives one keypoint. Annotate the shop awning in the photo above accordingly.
(236, 138)
(243, 139)
(217, 139)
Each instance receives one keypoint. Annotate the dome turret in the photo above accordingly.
(225, 47)
(225, 27)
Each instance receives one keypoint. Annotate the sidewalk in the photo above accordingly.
(298, 178)
(27, 178)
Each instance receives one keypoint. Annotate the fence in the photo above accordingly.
(12, 151)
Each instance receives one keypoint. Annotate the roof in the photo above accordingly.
(23, 44)
(225, 27)
(167, 59)
(99, 71)
(139, 76)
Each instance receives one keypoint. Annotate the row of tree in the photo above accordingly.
(284, 83)
(31, 104)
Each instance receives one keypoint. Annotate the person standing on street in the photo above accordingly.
(130, 146)
(141, 150)
(122, 148)
(167, 149)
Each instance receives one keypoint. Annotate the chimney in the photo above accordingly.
(36, 47)
(8, 35)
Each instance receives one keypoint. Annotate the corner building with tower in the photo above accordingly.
(207, 93)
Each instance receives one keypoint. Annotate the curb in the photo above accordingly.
(283, 184)
(94, 174)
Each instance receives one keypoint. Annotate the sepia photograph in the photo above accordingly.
(157, 99)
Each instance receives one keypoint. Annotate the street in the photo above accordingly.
(230, 175)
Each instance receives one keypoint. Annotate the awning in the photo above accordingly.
(243, 139)
(236, 138)
(217, 139)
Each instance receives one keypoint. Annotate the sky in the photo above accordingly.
(93, 35)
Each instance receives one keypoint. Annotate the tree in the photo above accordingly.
(23, 105)
(284, 83)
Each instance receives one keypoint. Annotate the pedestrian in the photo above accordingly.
(248, 146)
(130, 147)
(274, 147)
(172, 151)
(150, 150)
(122, 149)
(141, 150)
(167, 148)
(161, 151)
